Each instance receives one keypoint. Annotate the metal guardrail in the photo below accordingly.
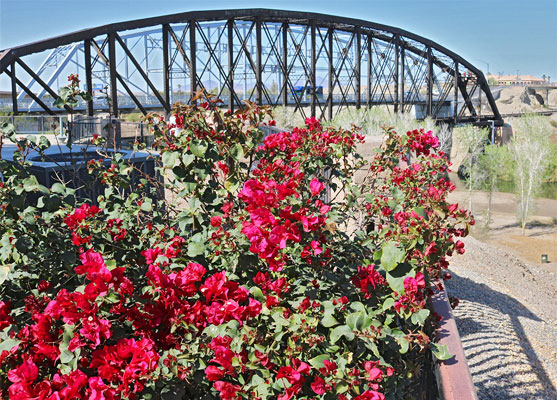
(453, 376)
(82, 129)
(126, 133)
(39, 124)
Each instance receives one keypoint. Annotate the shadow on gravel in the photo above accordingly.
(502, 360)
(549, 227)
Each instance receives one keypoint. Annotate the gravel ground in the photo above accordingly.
(507, 320)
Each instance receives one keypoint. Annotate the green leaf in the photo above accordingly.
(388, 303)
(198, 148)
(257, 294)
(395, 278)
(58, 188)
(66, 337)
(59, 103)
(169, 158)
(232, 185)
(357, 306)
(44, 143)
(403, 343)
(110, 264)
(391, 256)
(147, 205)
(279, 318)
(4, 271)
(441, 352)
(236, 151)
(329, 321)
(356, 320)
(340, 331)
(195, 249)
(64, 92)
(342, 388)
(187, 159)
(30, 183)
(420, 211)
(328, 306)
(66, 356)
(8, 344)
(419, 317)
(317, 362)
(52, 203)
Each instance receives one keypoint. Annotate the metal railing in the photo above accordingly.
(125, 133)
(36, 124)
(82, 128)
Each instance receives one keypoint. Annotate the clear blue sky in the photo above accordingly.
(509, 35)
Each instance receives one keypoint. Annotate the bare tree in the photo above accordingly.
(495, 162)
(474, 139)
(530, 152)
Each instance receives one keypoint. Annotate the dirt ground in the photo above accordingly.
(504, 231)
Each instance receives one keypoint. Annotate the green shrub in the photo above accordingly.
(248, 281)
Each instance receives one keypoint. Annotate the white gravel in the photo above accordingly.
(507, 322)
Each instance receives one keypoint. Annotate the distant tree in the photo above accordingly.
(495, 163)
(474, 139)
(543, 77)
(530, 152)
(274, 88)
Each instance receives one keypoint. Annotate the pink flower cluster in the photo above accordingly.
(271, 226)
(367, 280)
(413, 298)
(422, 142)
(180, 301)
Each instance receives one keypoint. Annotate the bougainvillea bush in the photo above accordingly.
(266, 273)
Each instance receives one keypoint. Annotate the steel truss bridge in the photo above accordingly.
(319, 64)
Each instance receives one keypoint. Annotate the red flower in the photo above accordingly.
(26, 372)
(367, 276)
(290, 374)
(213, 373)
(223, 354)
(370, 395)
(84, 211)
(374, 373)
(5, 317)
(227, 390)
(43, 286)
(430, 249)
(316, 187)
(94, 266)
(223, 167)
(319, 386)
(216, 221)
(151, 255)
(97, 388)
(271, 301)
(264, 360)
(95, 330)
(304, 305)
(459, 246)
(329, 367)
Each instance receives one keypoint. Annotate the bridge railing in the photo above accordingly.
(126, 133)
(36, 124)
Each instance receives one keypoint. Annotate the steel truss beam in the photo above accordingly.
(311, 61)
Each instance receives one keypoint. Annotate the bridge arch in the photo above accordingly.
(317, 63)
